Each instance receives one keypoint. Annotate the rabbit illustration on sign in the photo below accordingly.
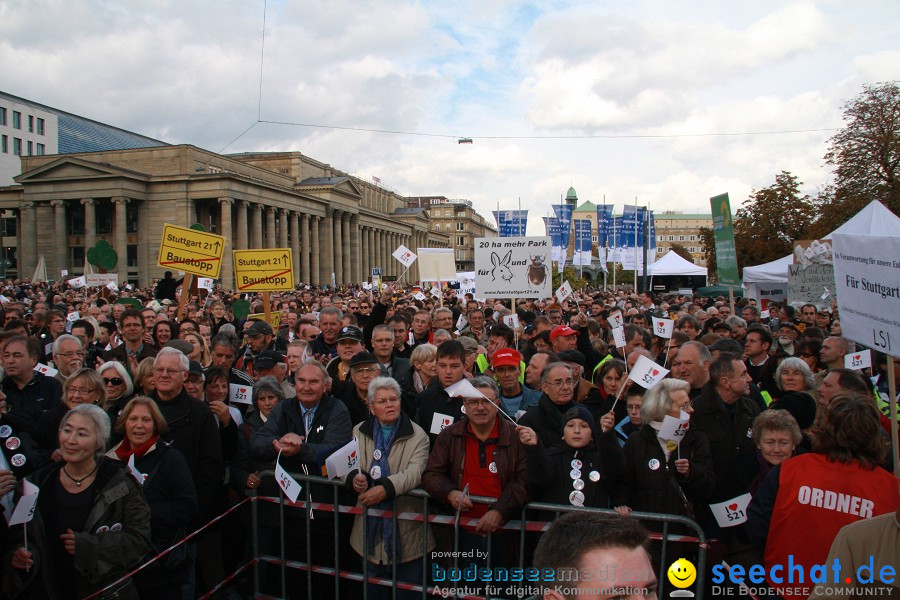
(501, 266)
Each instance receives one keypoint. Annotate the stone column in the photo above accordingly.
(270, 227)
(326, 247)
(370, 250)
(90, 224)
(256, 229)
(282, 227)
(347, 250)
(364, 259)
(226, 273)
(316, 272)
(241, 224)
(59, 232)
(304, 249)
(28, 255)
(294, 220)
(338, 247)
(121, 234)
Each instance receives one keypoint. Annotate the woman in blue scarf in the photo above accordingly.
(393, 453)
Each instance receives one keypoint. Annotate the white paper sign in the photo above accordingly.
(366, 285)
(63, 272)
(867, 280)
(859, 360)
(513, 267)
(564, 291)
(647, 373)
(288, 484)
(420, 297)
(619, 337)
(461, 322)
(112, 287)
(240, 394)
(731, 512)
(24, 510)
(674, 428)
(73, 316)
(616, 319)
(45, 370)
(405, 256)
(436, 292)
(344, 460)
(663, 327)
(205, 283)
(511, 320)
(135, 472)
(764, 314)
(440, 422)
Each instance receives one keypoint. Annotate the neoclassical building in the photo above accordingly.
(335, 223)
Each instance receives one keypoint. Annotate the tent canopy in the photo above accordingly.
(673, 264)
(874, 219)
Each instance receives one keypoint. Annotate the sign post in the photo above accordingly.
(192, 251)
(726, 254)
(264, 271)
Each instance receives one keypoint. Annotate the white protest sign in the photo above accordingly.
(405, 256)
(288, 484)
(764, 314)
(436, 292)
(24, 510)
(240, 394)
(461, 322)
(420, 297)
(513, 267)
(45, 370)
(674, 428)
(344, 460)
(112, 287)
(807, 285)
(616, 319)
(647, 373)
(205, 283)
(868, 289)
(466, 281)
(511, 320)
(858, 360)
(731, 512)
(135, 472)
(101, 279)
(440, 422)
(437, 264)
(77, 282)
(663, 327)
(564, 291)
(73, 316)
(619, 337)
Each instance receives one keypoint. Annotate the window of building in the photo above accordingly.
(4, 144)
(40, 126)
(75, 220)
(460, 241)
(693, 238)
(671, 238)
(30, 123)
(17, 146)
(103, 216)
(460, 226)
(8, 227)
(131, 217)
(77, 255)
(2, 116)
(680, 238)
(17, 120)
(40, 150)
(660, 238)
(132, 255)
(30, 148)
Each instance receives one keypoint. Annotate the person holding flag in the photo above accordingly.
(392, 454)
(91, 524)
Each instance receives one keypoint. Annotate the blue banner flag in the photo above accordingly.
(582, 254)
(511, 223)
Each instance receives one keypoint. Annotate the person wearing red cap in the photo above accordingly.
(563, 338)
(514, 397)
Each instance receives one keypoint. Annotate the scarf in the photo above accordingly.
(378, 529)
(124, 450)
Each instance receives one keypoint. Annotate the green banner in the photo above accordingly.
(726, 255)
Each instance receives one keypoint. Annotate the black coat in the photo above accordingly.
(546, 420)
(434, 399)
(26, 405)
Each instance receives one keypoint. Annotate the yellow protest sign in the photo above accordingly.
(191, 251)
(268, 270)
(274, 318)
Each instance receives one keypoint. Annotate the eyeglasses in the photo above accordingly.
(114, 381)
(473, 402)
(80, 391)
(562, 382)
(160, 371)
(385, 401)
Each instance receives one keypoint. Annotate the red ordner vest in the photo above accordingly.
(816, 497)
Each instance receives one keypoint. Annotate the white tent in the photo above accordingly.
(874, 219)
(673, 264)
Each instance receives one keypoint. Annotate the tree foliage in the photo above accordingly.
(865, 155)
(103, 256)
(708, 239)
(771, 219)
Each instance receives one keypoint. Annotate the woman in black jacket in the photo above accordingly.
(168, 488)
(662, 476)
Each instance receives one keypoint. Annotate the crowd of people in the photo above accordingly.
(127, 413)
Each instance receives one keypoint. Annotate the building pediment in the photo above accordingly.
(72, 169)
(330, 187)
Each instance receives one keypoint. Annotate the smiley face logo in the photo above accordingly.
(682, 573)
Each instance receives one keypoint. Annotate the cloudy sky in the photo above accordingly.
(621, 100)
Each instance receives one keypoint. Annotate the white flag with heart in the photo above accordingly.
(240, 394)
(135, 472)
(288, 484)
(663, 327)
(564, 291)
(24, 510)
(616, 319)
(674, 428)
(858, 360)
(511, 321)
(77, 282)
(461, 322)
(619, 337)
(405, 256)
(344, 460)
(440, 422)
(647, 373)
(731, 512)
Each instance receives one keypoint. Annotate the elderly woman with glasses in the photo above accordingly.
(118, 385)
(84, 386)
(393, 453)
(661, 475)
(91, 524)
